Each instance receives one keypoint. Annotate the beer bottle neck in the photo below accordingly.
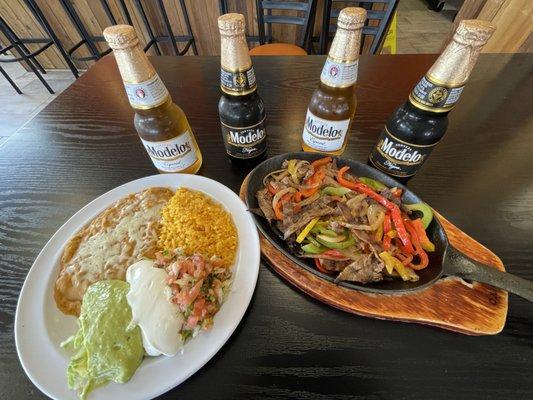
(237, 76)
(341, 66)
(439, 90)
(144, 87)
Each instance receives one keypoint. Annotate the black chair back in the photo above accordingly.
(377, 32)
(306, 20)
(170, 37)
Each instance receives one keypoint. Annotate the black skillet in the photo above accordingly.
(445, 261)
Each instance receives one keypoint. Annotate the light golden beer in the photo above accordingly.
(160, 123)
(333, 103)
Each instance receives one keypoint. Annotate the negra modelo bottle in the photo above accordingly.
(241, 110)
(417, 126)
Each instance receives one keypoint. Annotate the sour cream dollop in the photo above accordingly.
(159, 319)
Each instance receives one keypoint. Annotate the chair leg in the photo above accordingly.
(140, 8)
(15, 38)
(188, 25)
(75, 18)
(33, 68)
(11, 82)
(324, 34)
(168, 27)
(44, 23)
(126, 12)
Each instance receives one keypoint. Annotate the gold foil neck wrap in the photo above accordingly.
(454, 65)
(347, 41)
(120, 36)
(132, 62)
(234, 54)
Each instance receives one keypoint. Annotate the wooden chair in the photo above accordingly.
(187, 39)
(87, 39)
(16, 46)
(377, 32)
(266, 47)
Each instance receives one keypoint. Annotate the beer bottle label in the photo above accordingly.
(172, 155)
(397, 157)
(431, 96)
(338, 73)
(324, 135)
(238, 82)
(245, 142)
(147, 94)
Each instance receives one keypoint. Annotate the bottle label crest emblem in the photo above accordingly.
(172, 155)
(245, 142)
(339, 74)
(429, 95)
(147, 94)
(324, 135)
(238, 82)
(397, 157)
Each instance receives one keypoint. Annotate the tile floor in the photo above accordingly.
(17, 109)
(419, 30)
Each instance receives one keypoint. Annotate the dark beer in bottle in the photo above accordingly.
(415, 128)
(241, 110)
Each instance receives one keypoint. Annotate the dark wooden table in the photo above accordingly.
(289, 346)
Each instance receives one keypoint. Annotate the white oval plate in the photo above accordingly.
(40, 327)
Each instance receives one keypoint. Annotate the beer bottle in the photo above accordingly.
(161, 124)
(241, 110)
(333, 103)
(418, 125)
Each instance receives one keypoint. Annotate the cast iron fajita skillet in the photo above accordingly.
(445, 261)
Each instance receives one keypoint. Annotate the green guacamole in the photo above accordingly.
(105, 347)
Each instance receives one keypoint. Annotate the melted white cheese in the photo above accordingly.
(159, 319)
(100, 253)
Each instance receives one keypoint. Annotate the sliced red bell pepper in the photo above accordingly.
(271, 188)
(279, 206)
(422, 236)
(405, 259)
(322, 161)
(424, 260)
(314, 183)
(395, 211)
(334, 254)
(319, 266)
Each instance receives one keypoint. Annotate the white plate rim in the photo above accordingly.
(92, 209)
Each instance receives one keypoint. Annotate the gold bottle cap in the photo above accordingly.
(473, 32)
(351, 18)
(121, 36)
(231, 24)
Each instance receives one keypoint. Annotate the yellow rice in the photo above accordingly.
(195, 223)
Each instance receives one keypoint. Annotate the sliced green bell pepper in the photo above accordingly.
(427, 212)
(376, 185)
(312, 249)
(339, 245)
(335, 191)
